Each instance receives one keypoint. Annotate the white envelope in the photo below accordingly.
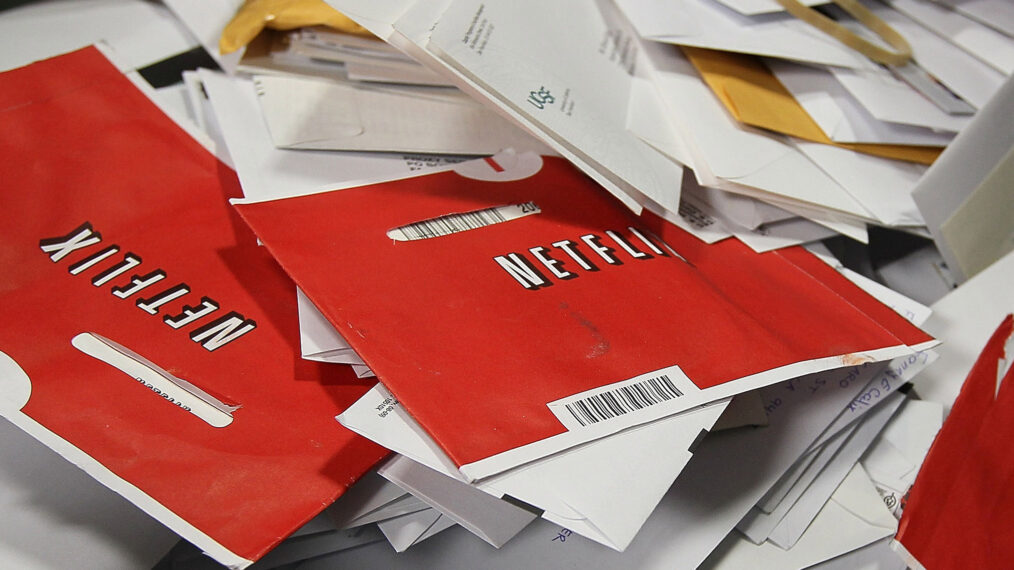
(494, 520)
(854, 517)
(983, 42)
(846, 226)
(964, 74)
(643, 114)
(268, 172)
(759, 522)
(38, 30)
(612, 466)
(882, 186)
(411, 529)
(741, 159)
(891, 100)
(708, 24)
(314, 114)
(403, 505)
(693, 517)
(964, 319)
(206, 19)
(750, 7)
(694, 217)
(576, 99)
(369, 493)
(744, 211)
(878, 388)
(203, 116)
(998, 14)
(294, 549)
(894, 459)
(319, 341)
(840, 115)
(966, 164)
(877, 555)
(805, 507)
(784, 233)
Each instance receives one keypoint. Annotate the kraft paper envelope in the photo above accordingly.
(752, 94)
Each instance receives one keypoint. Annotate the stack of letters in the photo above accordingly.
(508, 284)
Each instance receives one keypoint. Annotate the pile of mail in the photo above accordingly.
(485, 285)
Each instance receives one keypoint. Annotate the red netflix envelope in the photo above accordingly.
(515, 309)
(959, 511)
(146, 336)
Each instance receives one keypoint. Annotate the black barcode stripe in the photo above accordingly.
(622, 400)
(453, 223)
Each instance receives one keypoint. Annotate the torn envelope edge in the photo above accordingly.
(16, 391)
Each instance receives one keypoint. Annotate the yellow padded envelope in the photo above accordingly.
(754, 96)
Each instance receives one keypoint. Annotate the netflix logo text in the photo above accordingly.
(568, 259)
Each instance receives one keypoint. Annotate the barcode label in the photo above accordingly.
(461, 222)
(629, 402)
(624, 399)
